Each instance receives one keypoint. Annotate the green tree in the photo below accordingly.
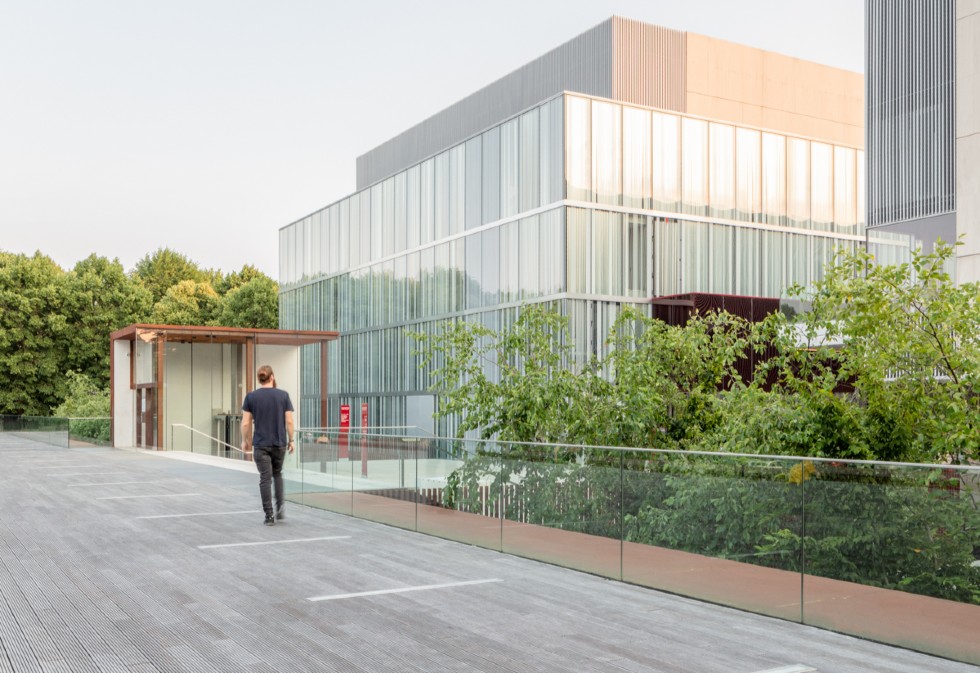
(656, 387)
(910, 347)
(223, 284)
(161, 270)
(188, 303)
(883, 366)
(661, 382)
(254, 303)
(33, 329)
(513, 385)
(99, 299)
(812, 422)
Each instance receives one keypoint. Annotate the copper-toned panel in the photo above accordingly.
(649, 64)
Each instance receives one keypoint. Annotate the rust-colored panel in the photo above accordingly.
(677, 309)
(249, 365)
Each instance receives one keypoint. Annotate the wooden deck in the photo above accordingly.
(119, 561)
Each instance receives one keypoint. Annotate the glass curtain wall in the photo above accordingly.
(731, 210)
(509, 169)
(643, 158)
(460, 234)
(588, 203)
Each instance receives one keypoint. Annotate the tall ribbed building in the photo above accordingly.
(630, 163)
(923, 122)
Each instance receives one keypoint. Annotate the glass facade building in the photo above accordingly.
(582, 202)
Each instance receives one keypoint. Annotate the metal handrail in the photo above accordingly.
(56, 418)
(967, 467)
(362, 429)
(204, 434)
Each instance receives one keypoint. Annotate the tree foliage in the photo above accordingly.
(512, 385)
(33, 334)
(661, 382)
(883, 366)
(909, 345)
(87, 404)
(99, 299)
(55, 322)
(188, 302)
(223, 284)
(253, 303)
(656, 387)
(161, 270)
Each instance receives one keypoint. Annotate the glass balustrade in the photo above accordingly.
(886, 551)
(58, 431)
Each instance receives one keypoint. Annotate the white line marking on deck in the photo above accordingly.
(793, 668)
(158, 495)
(425, 587)
(65, 466)
(82, 474)
(174, 516)
(118, 483)
(255, 544)
(33, 452)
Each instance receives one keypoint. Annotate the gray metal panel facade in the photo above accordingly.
(620, 58)
(910, 109)
(583, 64)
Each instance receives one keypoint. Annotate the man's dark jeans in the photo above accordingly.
(269, 462)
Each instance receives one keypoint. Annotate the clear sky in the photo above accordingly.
(206, 125)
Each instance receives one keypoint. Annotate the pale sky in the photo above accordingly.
(207, 125)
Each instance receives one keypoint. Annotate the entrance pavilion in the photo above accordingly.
(181, 387)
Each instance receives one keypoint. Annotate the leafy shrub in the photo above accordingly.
(88, 408)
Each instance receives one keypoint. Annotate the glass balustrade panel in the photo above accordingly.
(561, 505)
(891, 554)
(459, 491)
(719, 528)
(327, 471)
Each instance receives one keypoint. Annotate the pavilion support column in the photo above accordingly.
(324, 421)
(112, 391)
(249, 364)
(161, 355)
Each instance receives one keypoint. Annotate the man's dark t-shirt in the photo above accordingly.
(268, 407)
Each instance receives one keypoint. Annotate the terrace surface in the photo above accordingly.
(123, 561)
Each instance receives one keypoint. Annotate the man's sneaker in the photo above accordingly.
(270, 521)
(281, 511)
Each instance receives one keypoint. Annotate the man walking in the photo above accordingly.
(272, 412)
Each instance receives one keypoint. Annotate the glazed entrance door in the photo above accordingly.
(146, 421)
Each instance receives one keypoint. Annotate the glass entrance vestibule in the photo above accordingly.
(181, 387)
